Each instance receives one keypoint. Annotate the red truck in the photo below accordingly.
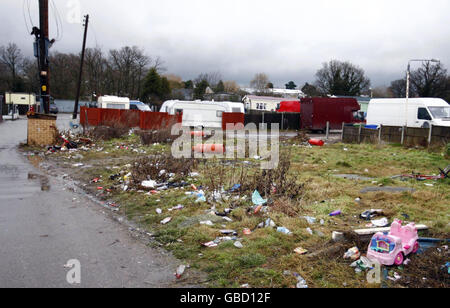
(317, 111)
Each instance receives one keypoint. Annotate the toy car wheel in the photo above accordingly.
(399, 259)
(416, 247)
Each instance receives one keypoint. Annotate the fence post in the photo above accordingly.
(342, 134)
(403, 135)
(282, 121)
(328, 130)
(379, 134)
(430, 134)
(359, 134)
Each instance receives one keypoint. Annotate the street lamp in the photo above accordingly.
(408, 78)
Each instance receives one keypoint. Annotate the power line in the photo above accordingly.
(24, 16)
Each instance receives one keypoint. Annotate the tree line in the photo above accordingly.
(130, 72)
(342, 78)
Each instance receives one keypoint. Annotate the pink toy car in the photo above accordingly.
(393, 248)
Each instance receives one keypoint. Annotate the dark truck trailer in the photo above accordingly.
(317, 111)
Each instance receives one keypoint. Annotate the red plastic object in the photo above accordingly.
(317, 142)
(209, 148)
(290, 107)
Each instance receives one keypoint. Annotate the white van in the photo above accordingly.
(113, 102)
(422, 112)
(206, 114)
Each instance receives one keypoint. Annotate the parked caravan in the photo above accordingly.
(201, 113)
(419, 112)
(113, 102)
(136, 105)
(317, 111)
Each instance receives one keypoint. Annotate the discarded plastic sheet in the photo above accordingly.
(207, 223)
(257, 199)
(238, 245)
(383, 222)
(310, 231)
(301, 282)
(149, 184)
(284, 230)
(210, 244)
(310, 220)
(166, 221)
(159, 211)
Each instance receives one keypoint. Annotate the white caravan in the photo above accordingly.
(206, 114)
(113, 102)
(420, 112)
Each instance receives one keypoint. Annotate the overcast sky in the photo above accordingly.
(286, 39)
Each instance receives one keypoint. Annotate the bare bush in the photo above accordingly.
(160, 168)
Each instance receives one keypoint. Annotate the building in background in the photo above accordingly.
(284, 93)
(262, 103)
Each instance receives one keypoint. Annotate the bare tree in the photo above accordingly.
(260, 82)
(341, 78)
(430, 80)
(212, 78)
(231, 86)
(11, 57)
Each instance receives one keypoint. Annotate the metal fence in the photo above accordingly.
(433, 136)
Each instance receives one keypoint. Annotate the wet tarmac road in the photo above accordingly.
(43, 225)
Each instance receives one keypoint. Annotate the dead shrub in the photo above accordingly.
(276, 182)
(109, 132)
(157, 136)
(287, 206)
(159, 168)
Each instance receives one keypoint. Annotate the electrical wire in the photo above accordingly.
(58, 21)
(29, 14)
(24, 16)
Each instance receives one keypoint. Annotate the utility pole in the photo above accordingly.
(80, 77)
(43, 54)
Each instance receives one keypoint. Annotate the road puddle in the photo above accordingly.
(43, 180)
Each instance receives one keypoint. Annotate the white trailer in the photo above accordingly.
(418, 112)
(206, 114)
(113, 102)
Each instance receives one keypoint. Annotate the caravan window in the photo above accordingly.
(423, 114)
(219, 114)
(178, 111)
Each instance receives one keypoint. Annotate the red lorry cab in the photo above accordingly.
(289, 106)
(317, 111)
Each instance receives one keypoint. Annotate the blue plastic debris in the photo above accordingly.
(257, 199)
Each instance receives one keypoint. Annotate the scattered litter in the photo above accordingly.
(247, 231)
(166, 221)
(257, 199)
(301, 283)
(310, 220)
(149, 184)
(368, 215)
(210, 244)
(238, 245)
(383, 222)
(335, 213)
(176, 208)
(180, 271)
(395, 277)
(159, 211)
(310, 231)
(317, 142)
(353, 254)
(207, 223)
(300, 251)
(337, 236)
(284, 230)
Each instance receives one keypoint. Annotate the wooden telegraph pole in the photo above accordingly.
(44, 45)
(80, 77)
